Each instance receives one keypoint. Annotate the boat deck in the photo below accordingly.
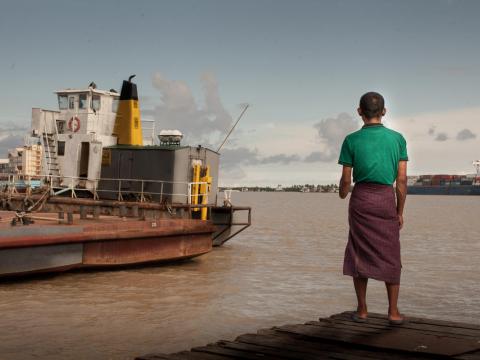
(338, 337)
(47, 231)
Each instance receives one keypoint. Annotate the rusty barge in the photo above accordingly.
(47, 246)
(91, 189)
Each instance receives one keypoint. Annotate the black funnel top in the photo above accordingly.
(129, 91)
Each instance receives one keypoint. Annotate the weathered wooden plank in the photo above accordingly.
(369, 324)
(423, 328)
(347, 329)
(472, 356)
(400, 341)
(230, 353)
(286, 352)
(445, 323)
(417, 320)
(183, 355)
(193, 355)
(301, 346)
(283, 351)
(280, 352)
(153, 357)
(429, 328)
(351, 327)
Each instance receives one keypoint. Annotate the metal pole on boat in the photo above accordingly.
(233, 127)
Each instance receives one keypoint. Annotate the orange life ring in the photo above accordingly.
(74, 124)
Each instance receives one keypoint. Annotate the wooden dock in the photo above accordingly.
(338, 337)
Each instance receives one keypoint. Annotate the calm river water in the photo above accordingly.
(285, 269)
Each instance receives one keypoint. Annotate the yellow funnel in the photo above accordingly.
(128, 125)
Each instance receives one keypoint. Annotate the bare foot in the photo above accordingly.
(395, 316)
(362, 313)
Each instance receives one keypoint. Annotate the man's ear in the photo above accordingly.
(384, 111)
(359, 110)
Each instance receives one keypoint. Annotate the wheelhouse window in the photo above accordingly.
(61, 148)
(96, 102)
(71, 102)
(62, 102)
(61, 126)
(82, 101)
(114, 105)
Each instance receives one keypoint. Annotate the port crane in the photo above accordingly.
(476, 165)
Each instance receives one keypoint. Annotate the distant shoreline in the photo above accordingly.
(307, 188)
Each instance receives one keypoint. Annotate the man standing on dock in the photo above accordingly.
(378, 157)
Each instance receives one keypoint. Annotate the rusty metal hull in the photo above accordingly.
(47, 247)
(29, 260)
(229, 222)
(127, 252)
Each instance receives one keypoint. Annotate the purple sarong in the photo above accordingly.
(373, 248)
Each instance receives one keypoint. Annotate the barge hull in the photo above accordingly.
(127, 252)
(25, 260)
(91, 243)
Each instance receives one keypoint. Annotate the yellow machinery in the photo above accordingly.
(128, 126)
(201, 190)
(195, 185)
(204, 190)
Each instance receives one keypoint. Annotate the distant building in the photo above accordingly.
(412, 180)
(15, 157)
(26, 160)
(4, 166)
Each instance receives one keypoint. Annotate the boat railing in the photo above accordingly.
(120, 189)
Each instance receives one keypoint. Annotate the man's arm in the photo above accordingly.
(401, 189)
(345, 181)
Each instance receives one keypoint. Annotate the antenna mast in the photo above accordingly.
(233, 127)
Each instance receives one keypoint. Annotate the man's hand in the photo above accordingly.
(401, 190)
(345, 182)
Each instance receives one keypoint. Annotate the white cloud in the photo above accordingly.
(332, 131)
(441, 137)
(178, 109)
(465, 134)
(448, 156)
(11, 136)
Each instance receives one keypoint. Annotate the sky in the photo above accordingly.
(300, 65)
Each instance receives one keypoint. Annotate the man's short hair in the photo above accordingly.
(372, 105)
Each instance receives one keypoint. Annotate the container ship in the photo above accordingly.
(92, 187)
(445, 184)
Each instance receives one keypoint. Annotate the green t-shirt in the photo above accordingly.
(374, 152)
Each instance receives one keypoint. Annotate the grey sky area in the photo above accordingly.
(301, 65)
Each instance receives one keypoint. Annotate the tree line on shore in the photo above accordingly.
(291, 188)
